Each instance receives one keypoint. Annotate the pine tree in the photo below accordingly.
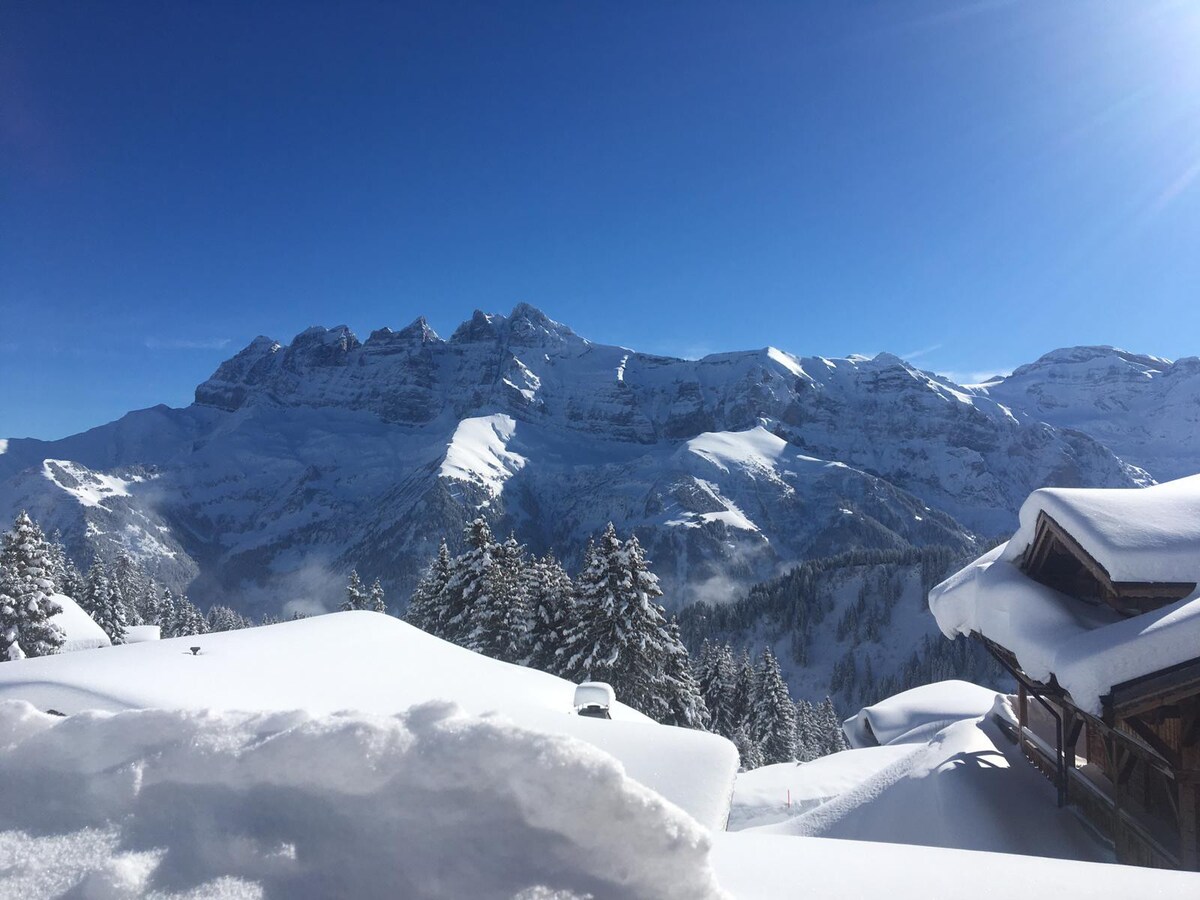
(356, 597)
(500, 609)
(130, 585)
(222, 618)
(774, 719)
(551, 596)
(809, 740)
(471, 578)
(112, 613)
(185, 619)
(620, 634)
(26, 589)
(72, 582)
(678, 692)
(151, 606)
(748, 753)
(829, 726)
(716, 676)
(375, 598)
(164, 613)
(743, 694)
(95, 588)
(427, 606)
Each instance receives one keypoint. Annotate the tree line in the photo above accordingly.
(35, 569)
(752, 706)
(605, 624)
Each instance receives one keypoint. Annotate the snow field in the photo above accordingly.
(761, 866)
(379, 665)
(762, 796)
(430, 803)
(966, 789)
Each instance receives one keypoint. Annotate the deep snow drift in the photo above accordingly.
(944, 777)
(966, 789)
(377, 664)
(426, 804)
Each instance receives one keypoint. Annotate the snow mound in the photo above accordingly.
(967, 789)
(431, 803)
(81, 629)
(380, 665)
(916, 715)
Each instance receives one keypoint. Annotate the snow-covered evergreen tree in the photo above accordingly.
(130, 583)
(356, 595)
(105, 603)
(716, 675)
(499, 610)
(809, 740)
(749, 755)
(620, 634)
(471, 578)
(376, 601)
(829, 726)
(551, 596)
(742, 699)
(773, 723)
(222, 618)
(184, 619)
(428, 605)
(26, 589)
(678, 692)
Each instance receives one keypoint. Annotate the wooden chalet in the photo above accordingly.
(1134, 769)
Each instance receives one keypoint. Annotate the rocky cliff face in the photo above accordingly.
(299, 461)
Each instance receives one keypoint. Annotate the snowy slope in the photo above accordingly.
(968, 788)
(375, 664)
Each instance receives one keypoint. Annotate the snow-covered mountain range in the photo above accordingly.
(299, 461)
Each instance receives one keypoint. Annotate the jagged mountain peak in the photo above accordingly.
(526, 325)
(384, 341)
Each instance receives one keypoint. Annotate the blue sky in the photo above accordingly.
(969, 184)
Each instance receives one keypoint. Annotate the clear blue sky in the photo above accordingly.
(969, 184)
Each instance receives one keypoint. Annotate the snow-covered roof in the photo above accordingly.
(1136, 534)
(1151, 534)
(81, 629)
(913, 716)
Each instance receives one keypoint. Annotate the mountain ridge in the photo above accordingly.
(300, 460)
